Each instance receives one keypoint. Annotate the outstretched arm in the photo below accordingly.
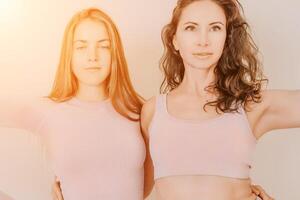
(279, 109)
(20, 113)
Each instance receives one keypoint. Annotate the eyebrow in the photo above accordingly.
(216, 23)
(194, 23)
(85, 41)
(213, 23)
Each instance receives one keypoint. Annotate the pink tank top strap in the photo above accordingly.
(164, 102)
(161, 102)
(160, 109)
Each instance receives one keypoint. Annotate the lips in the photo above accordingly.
(203, 54)
(92, 68)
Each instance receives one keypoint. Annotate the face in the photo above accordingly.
(91, 58)
(201, 34)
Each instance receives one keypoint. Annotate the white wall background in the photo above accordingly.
(31, 34)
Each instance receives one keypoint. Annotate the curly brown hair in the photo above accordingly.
(238, 74)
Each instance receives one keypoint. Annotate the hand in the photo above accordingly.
(56, 191)
(260, 192)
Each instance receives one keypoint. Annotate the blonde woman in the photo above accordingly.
(90, 121)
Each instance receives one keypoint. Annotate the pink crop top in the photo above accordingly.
(221, 146)
(95, 152)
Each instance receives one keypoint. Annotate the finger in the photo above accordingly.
(262, 193)
(57, 191)
(264, 196)
(253, 197)
(54, 192)
(54, 195)
(255, 190)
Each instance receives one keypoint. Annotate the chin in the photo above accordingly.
(200, 67)
(205, 65)
(93, 81)
(96, 83)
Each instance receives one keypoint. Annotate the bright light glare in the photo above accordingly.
(9, 10)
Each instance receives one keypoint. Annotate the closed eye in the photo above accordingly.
(81, 47)
(105, 44)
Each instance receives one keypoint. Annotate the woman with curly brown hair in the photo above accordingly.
(202, 131)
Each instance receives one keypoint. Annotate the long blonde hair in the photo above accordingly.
(120, 90)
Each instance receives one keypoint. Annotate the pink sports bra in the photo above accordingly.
(221, 146)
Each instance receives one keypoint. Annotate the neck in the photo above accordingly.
(92, 92)
(195, 81)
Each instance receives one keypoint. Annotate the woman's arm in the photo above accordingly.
(279, 109)
(21, 113)
(146, 118)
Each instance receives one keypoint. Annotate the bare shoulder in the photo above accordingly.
(147, 113)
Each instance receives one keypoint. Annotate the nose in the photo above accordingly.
(203, 38)
(93, 54)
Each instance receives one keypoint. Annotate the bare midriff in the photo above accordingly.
(203, 188)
